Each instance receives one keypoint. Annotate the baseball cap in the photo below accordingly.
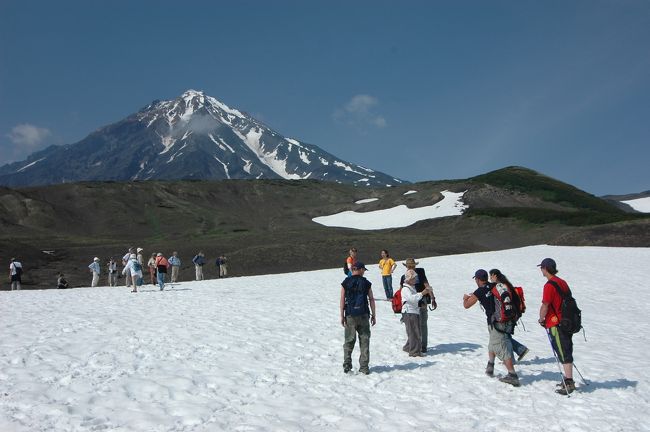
(480, 274)
(95, 259)
(359, 265)
(548, 263)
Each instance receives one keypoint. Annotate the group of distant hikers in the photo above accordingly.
(133, 266)
(502, 302)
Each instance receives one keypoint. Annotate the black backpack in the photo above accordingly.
(19, 270)
(356, 296)
(345, 268)
(571, 321)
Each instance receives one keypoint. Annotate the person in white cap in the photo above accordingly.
(135, 268)
(95, 269)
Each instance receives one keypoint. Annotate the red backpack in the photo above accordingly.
(522, 300)
(396, 302)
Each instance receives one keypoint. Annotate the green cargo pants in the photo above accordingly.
(361, 325)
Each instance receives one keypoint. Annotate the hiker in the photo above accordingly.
(550, 316)
(151, 265)
(140, 258)
(356, 293)
(134, 268)
(61, 283)
(161, 266)
(127, 268)
(411, 313)
(175, 262)
(387, 266)
(95, 270)
(112, 272)
(499, 344)
(199, 262)
(15, 274)
(496, 277)
(222, 264)
(421, 284)
(351, 259)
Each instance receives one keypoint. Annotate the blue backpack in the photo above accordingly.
(356, 296)
(136, 266)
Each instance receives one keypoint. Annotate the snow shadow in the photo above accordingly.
(537, 361)
(400, 367)
(609, 385)
(454, 348)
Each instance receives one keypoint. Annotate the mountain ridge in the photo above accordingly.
(266, 226)
(194, 136)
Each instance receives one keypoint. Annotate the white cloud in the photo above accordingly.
(28, 137)
(359, 112)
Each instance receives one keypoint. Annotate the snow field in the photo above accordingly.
(264, 353)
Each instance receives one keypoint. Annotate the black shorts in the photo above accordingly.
(562, 344)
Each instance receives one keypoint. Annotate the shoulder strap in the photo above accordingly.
(559, 290)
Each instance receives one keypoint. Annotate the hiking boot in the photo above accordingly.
(347, 369)
(364, 371)
(570, 387)
(523, 354)
(489, 370)
(511, 379)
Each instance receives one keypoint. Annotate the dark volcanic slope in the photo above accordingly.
(265, 226)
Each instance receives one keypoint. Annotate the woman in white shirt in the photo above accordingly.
(411, 313)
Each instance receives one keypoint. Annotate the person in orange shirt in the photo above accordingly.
(161, 267)
(387, 266)
(351, 260)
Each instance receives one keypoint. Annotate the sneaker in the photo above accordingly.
(570, 387)
(489, 370)
(511, 379)
(523, 354)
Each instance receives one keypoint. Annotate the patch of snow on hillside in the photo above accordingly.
(410, 192)
(365, 201)
(396, 217)
(347, 167)
(221, 143)
(304, 157)
(167, 142)
(324, 161)
(104, 359)
(640, 204)
(247, 166)
(225, 167)
(29, 165)
(278, 166)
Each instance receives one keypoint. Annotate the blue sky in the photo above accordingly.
(422, 90)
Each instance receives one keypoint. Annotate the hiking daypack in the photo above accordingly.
(519, 291)
(19, 270)
(356, 296)
(345, 268)
(504, 307)
(397, 302)
(571, 321)
(137, 266)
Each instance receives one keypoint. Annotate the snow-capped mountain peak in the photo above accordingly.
(192, 136)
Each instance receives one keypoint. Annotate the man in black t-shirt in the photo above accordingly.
(357, 307)
(500, 345)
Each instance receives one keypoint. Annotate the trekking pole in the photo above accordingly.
(581, 377)
(557, 360)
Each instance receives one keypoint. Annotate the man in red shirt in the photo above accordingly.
(550, 315)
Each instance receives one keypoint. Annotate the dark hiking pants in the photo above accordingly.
(357, 325)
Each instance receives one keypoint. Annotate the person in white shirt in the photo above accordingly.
(15, 273)
(411, 313)
(112, 272)
(125, 262)
(95, 269)
(134, 267)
